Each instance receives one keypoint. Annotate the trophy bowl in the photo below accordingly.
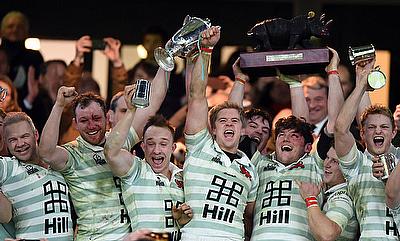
(183, 43)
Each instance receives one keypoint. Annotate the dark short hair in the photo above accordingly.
(252, 112)
(114, 100)
(226, 105)
(44, 67)
(298, 125)
(159, 121)
(84, 100)
(376, 110)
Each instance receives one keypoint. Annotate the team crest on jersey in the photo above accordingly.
(217, 159)
(244, 171)
(179, 183)
(31, 169)
(269, 167)
(98, 160)
(300, 164)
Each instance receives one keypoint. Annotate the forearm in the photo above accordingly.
(118, 135)
(199, 76)
(299, 103)
(72, 74)
(237, 93)
(321, 226)
(365, 102)
(335, 101)
(5, 209)
(49, 137)
(393, 189)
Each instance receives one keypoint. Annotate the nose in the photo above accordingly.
(19, 142)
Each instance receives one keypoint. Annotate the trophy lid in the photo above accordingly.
(376, 79)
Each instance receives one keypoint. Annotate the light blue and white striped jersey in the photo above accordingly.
(39, 198)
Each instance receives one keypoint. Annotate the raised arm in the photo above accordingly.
(119, 75)
(299, 103)
(159, 87)
(237, 92)
(5, 209)
(74, 70)
(344, 140)
(392, 189)
(119, 159)
(196, 119)
(55, 155)
(335, 93)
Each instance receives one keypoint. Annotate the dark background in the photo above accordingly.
(356, 22)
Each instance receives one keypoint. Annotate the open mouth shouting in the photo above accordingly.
(157, 160)
(229, 133)
(286, 148)
(256, 139)
(378, 141)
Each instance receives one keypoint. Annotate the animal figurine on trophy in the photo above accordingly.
(280, 34)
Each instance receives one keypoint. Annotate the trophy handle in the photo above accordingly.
(164, 59)
(186, 20)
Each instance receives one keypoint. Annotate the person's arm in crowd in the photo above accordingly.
(320, 225)
(335, 92)
(158, 91)
(119, 75)
(392, 189)
(139, 235)
(74, 70)
(33, 89)
(55, 155)
(248, 220)
(182, 214)
(299, 103)
(5, 209)
(344, 140)
(119, 159)
(196, 119)
(237, 93)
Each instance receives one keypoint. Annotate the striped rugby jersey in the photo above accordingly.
(7, 230)
(368, 194)
(280, 211)
(149, 197)
(39, 198)
(217, 189)
(339, 208)
(95, 192)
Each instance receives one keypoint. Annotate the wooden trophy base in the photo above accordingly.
(291, 62)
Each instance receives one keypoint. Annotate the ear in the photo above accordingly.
(173, 146)
(394, 132)
(362, 134)
(110, 116)
(36, 133)
(308, 147)
(142, 145)
(73, 123)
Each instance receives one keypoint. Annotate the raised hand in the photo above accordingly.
(112, 51)
(238, 72)
(33, 85)
(129, 91)
(363, 69)
(396, 116)
(333, 64)
(65, 95)
(210, 37)
(82, 46)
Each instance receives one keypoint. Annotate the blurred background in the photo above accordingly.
(56, 25)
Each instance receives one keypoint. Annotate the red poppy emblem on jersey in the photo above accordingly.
(297, 165)
(244, 171)
(179, 183)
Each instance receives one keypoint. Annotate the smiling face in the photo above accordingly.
(258, 129)
(290, 146)
(91, 123)
(158, 146)
(21, 140)
(377, 133)
(119, 112)
(227, 130)
(317, 101)
(332, 173)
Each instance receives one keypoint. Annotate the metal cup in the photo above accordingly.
(389, 163)
(142, 94)
(361, 53)
(182, 43)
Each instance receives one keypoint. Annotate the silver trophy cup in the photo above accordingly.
(141, 98)
(389, 163)
(182, 43)
(376, 79)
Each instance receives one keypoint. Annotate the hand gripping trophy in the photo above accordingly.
(183, 43)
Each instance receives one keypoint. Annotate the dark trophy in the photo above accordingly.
(287, 44)
(376, 79)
